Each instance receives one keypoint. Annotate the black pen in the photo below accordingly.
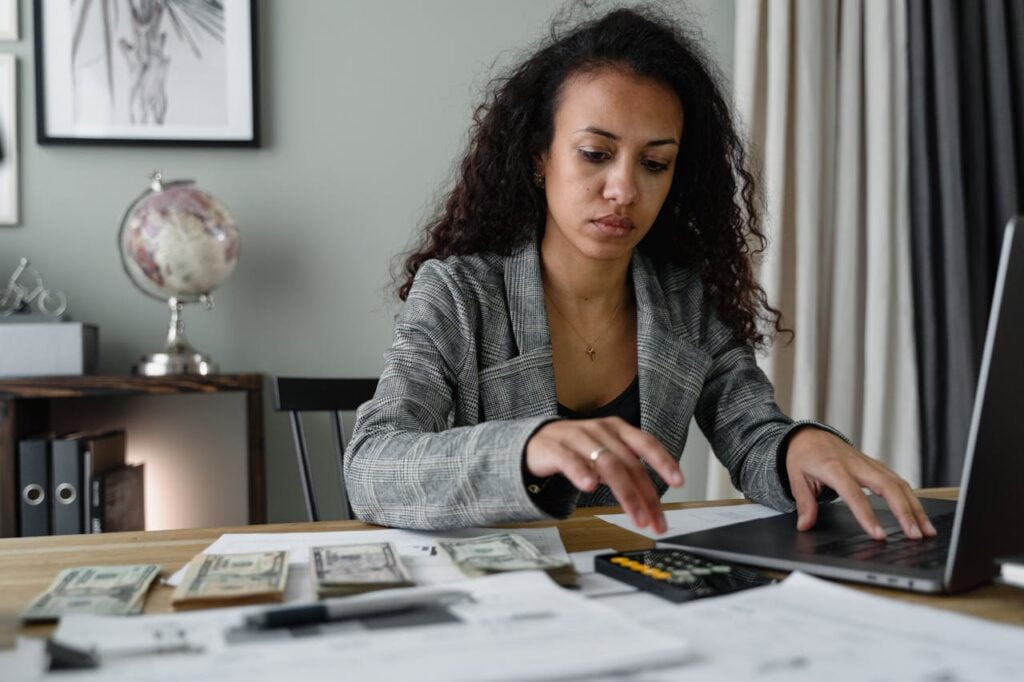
(343, 608)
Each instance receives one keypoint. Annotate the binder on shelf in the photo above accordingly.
(76, 458)
(118, 500)
(104, 452)
(34, 486)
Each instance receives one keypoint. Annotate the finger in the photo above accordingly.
(584, 444)
(610, 429)
(649, 449)
(843, 483)
(922, 517)
(578, 471)
(806, 503)
(643, 483)
(638, 501)
(897, 495)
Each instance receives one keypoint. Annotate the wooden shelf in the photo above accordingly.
(24, 410)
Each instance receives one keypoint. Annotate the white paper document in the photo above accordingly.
(26, 662)
(417, 549)
(515, 626)
(594, 584)
(681, 521)
(807, 629)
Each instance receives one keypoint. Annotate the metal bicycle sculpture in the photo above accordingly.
(26, 287)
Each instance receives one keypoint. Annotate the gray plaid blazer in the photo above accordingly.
(468, 380)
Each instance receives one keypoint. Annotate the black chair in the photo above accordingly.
(334, 396)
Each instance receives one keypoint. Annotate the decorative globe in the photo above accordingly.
(178, 241)
(177, 244)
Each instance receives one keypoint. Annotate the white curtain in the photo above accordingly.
(820, 93)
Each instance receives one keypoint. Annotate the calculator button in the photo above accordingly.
(620, 560)
(721, 569)
(697, 570)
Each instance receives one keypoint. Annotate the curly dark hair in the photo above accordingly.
(705, 222)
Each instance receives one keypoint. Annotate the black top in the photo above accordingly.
(626, 406)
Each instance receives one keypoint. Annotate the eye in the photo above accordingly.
(654, 166)
(593, 155)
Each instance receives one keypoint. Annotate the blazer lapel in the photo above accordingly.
(672, 370)
(524, 385)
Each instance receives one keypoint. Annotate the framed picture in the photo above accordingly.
(8, 19)
(153, 72)
(8, 140)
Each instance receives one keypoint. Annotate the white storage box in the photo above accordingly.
(47, 348)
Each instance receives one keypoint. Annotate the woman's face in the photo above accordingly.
(610, 163)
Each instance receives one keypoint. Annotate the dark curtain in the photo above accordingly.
(966, 124)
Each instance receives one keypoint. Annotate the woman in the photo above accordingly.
(585, 289)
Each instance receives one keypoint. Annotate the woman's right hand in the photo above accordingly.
(610, 451)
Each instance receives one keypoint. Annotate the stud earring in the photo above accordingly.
(538, 179)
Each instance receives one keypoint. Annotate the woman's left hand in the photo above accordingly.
(816, 458)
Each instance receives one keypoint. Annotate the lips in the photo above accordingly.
(614, 222)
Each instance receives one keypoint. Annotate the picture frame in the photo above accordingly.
(8, 20)
(169, 72)
(8, 140)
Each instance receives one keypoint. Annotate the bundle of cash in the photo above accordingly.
(232, 579)
(104, 590)
(504, 552)
(340, 570)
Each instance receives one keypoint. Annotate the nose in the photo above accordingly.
(620, 185)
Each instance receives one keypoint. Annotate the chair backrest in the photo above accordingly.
(334, 396)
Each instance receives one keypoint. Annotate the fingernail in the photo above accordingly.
(677, 478)
(915, 532)
(641, 518)
(879, 533)
(588, 482)
(931, 528)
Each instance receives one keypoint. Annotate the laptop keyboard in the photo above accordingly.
(898, 549)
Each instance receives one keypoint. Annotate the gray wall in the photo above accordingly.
(365, 108)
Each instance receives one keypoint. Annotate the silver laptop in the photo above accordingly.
(986, 522)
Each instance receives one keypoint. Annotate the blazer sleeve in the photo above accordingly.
(746, 428)
(407, 465)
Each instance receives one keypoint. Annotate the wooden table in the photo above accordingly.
(25, 410)
(28, 565)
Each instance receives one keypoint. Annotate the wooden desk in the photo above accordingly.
(28, 565)
(25, 410)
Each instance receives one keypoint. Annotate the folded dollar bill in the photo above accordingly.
(340, 570)
(501, 552)
(230, 579)
(104, 590)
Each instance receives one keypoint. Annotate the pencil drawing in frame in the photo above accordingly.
(8, 20)
(153, 72)
(8, 140)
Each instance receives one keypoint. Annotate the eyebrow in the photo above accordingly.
(612, 136)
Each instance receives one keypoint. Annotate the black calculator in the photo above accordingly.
(678, 576)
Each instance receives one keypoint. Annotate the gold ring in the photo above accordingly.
(597, 453)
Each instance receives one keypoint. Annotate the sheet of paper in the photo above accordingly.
(26, 662)
(692, 520)
(517, 626)
(593, 584)
(417, 549)
(806, 629)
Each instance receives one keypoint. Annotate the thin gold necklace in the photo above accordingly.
(589, 346)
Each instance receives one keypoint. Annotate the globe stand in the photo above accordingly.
(179, 357)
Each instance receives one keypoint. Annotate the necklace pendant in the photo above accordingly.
(591, 353)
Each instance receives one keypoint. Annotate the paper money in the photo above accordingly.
(105, 590)
(223, 579)
(501, 552)
(339, 570)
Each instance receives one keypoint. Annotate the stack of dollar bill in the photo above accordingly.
(232, 579)
(341, 570)
(105, 590)
(505, 552)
